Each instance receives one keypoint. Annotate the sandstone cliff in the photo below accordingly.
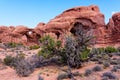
(89, 17)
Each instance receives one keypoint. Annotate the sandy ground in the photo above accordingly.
(51, 73)
(48, 72)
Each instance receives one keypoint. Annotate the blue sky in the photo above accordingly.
(31, 12)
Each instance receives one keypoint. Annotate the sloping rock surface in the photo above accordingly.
(89, 17)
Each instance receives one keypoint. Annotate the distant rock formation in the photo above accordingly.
(19, 34)
(89, 17)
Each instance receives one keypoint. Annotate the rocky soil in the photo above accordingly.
(52, 71)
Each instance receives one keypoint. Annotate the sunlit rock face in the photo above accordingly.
(18, 34)
(87, 16)
(64, 24)
(114, 29)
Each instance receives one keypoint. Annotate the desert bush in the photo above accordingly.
(85, 55)
(110, 49)
(8, 60)
(72, 56)
(68, 74)
(88, 72)
(76, 48)
(101, 50)
(113, 62)
(110, 75)
(35, 61)
(49, 47)
(97, 68)
(62, 76)
(34, 47)
(13, 44)
(96, 51)
(96, 54)
(106, 64)
(115, 68)
(22, 66)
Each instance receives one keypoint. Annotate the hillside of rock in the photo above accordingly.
(89, 17)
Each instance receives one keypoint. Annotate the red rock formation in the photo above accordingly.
(89, 17)
(114, 29)
(18, 34)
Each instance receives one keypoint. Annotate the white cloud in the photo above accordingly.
(113, 12)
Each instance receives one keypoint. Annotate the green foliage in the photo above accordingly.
(13, 45)
(58, 44)
(110, 49)
(101, 50)
(63, 57)
(34, 47)
(8, 60)
(76, 48)
(45, 53)
(85, 55)
(49, 46)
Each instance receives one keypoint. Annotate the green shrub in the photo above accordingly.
(85, 54)
(8, 60)
(45, 53)
(76, 47)
(110, 49)
(49, 47)
(13, 44)
(34, 47)
(101, 50)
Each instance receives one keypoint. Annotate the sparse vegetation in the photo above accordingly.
(110, 49)
(85, 55)
(49, 47)
(109, 75)
(34, 47)
(13, 44)
(68, 74)
(115, 68)
(74, 54)
(97, 68)
(36, 61)
(88, 72)
(76, 48)
(22, 67)
(106, 64)
(8, 60)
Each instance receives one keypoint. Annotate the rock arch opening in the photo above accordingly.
(77, 26)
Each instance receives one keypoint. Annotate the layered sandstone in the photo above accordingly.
(89, 17)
